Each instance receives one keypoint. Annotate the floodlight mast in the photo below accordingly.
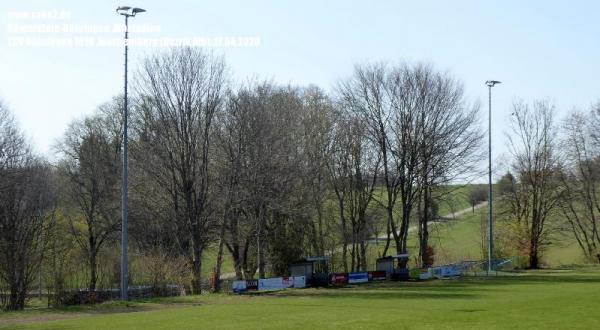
(490, 84)
(127, 12)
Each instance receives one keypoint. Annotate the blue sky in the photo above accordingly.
(538, 49)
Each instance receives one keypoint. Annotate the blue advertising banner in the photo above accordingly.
(361, 277)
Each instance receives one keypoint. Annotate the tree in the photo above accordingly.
(353, 168)
(504, 186)
(90, 154)
(179, 93)
(25, 201)
(447, 140)
(235, 230)
(580, 204)
(264, 184)
(367, 94)
(477, 195)
(426, 134)
(536, 192)
(316, 124)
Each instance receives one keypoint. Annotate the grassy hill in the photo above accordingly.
(457, 238)
(451, 198)
(461, 239)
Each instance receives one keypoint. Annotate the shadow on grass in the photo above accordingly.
(462, 288)
(466, 287)
(379, 294)
(46, 327)
(20, 320)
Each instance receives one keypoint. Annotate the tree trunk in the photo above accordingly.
(533, 255)
(388, 239)
(259, 247)
(345, 238)
(402, 238)
(238, 266)
(321, 235)
(363, 256)
(533, 260)
(353, 254)
(424, 230)
(93, 269)
(217, 284)
(197, 269)
(15, 299)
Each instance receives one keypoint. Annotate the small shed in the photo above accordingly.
(302, 268)
(315, 270)
(389, 264)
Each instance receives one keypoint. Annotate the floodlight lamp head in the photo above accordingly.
(135, 11)
(491, 83)
(122, 9)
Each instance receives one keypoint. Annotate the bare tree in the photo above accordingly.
(445, 138)
(580, 204)
(264, 156)
(353, 166)
(90, 165)
(234, 233)
(365, 95)
(423, 129)
(317, 123)
(179, 93)
(25, 199)
(536, 193)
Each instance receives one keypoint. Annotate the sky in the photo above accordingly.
(538, 49)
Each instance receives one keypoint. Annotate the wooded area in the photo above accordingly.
(267, 174)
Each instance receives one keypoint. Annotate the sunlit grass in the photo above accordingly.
(556, 299)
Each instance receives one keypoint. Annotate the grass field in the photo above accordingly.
(551, 299)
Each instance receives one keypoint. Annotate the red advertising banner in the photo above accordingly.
(339, 278)
(377, 275)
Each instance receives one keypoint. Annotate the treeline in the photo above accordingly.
(259, 172)
(551, 189)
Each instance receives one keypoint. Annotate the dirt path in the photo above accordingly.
(445, 218)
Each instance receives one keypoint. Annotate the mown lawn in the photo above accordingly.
(551, 299)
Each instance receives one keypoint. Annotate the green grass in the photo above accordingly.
(461, 239)
(449, 239)
(450, 198)
(552, 299)
(453, 240)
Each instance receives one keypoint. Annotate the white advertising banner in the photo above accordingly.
(287, 282)
(299, 282)
(272, 284)
(445, 271)
(275, 283)
(239, 286)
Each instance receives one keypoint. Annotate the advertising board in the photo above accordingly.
(377, 275)
(238, 286)
(359, 277)
(339, 278)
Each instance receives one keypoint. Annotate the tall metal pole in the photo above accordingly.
(491, 231)
(124, 191)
